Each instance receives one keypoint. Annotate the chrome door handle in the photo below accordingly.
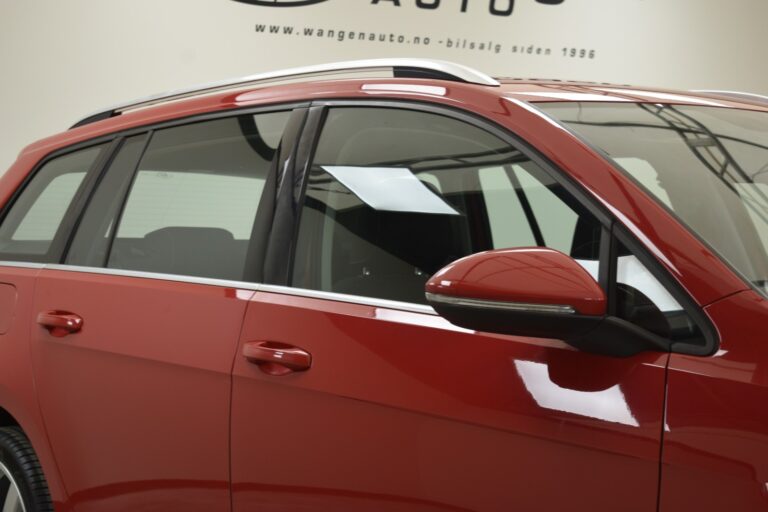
(277, 358)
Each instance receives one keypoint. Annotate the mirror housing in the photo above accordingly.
(534, 292)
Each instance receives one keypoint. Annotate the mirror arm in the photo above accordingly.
(604, 335)
(616, 337)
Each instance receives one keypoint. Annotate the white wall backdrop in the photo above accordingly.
(61, 59)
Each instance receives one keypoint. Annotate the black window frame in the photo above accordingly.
(612, 231)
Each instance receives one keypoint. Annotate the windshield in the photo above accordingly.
(709, 165)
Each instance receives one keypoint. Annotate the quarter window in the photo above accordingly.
(34, 220)
(643, 300)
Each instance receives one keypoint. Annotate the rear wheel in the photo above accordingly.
(22, 483)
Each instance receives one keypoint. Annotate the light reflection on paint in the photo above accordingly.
(607, 405)
(244, 294)
(417, 89)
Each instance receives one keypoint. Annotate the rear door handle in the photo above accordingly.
(277, 358)
(60, 323)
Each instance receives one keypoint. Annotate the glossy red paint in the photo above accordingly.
(277, 358)
(530, 275)
(136, 404)
(716, 436)
(60, 323)
(18, 397)
(404, 412)
(397, 410)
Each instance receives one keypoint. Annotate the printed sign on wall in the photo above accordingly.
(463, 26)
(67, 59)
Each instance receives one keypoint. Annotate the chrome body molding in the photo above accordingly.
(352, 299)
(240, 285)
(500, 305)
(458, 72)
(224, 283)
(21, 264)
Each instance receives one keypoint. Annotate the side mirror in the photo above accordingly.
(536, 292)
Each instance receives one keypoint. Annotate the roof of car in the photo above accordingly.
(459, 93)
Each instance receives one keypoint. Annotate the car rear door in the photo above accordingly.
(33, 230)
(349, 393)
(135, 332)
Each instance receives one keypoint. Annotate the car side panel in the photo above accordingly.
(17, 385)
(716, 441)
(136, 404)
(402, 411)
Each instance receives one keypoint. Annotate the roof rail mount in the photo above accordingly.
(400, 68)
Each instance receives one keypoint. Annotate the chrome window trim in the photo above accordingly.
(22, 264)
(241, 285)
(522, 307)
(352, 299)
(157, 276)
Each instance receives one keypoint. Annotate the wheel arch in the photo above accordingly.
(7, 419)
(31, 425)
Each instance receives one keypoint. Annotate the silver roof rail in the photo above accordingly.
(748, 96)
(402, 68)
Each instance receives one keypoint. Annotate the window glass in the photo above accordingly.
(557, 221)
(34, 220)
(503, 204)
(181, 198)
(193, 199)
(642, 300)
(708, 164)
(52, 204)
(394, 195)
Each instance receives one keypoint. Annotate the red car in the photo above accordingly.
(426, 291)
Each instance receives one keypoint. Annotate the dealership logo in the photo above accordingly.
(495, 7)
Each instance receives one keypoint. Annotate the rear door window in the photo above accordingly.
(191, 202)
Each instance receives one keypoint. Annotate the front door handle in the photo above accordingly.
(277, 358)
(60, 323)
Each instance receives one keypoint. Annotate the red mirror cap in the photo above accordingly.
(528, 275)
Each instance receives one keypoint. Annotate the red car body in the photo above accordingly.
(400, 410)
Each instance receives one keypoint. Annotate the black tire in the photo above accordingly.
(19, 459)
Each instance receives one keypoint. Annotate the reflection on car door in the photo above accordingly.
(383, 405)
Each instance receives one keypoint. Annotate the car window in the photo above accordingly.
(394, 195)
(708, 165)
(644, 301)
(91, 242)
(192, 199)
(28, 231)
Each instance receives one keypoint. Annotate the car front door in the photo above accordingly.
(136, 331)
(350, 393)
